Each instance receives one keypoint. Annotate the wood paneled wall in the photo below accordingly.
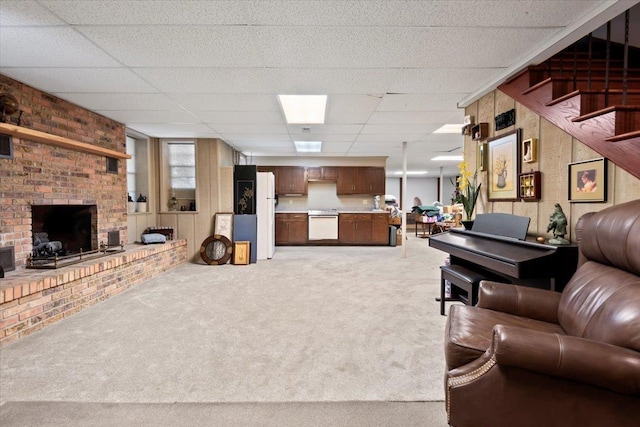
(556, 149)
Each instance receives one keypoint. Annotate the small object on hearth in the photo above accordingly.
(540, 239)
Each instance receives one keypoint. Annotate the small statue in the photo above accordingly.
(558, 223)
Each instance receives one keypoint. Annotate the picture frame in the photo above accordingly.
(530, 150)
(223, 224)
(241, 253)
(503, 166)
(588, 181)
(481, 157)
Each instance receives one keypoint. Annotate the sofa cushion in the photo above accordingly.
(469, 331)
(610, 237)
(602, 303)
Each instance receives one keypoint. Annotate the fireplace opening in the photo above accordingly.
(60, 230)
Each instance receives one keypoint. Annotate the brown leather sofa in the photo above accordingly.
(531, 357)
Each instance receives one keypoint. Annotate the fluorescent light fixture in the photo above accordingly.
(308, 146)
(452, 158)
(411, 173)
(304, 109)
(450, 128)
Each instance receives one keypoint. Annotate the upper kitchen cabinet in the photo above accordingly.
(360, 180)
(377, 181)
(291, 180)
(323, 173)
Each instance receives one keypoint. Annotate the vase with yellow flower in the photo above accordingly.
(500, 169)
(468, 192)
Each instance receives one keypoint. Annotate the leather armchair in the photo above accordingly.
(531, 357)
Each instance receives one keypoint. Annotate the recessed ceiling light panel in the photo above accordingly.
(304, 109)
(452, 158)
(449, 128)
(308, 146)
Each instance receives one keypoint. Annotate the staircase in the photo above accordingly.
(590, 90)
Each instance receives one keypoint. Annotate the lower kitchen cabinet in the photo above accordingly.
(363, 229)
(380, 229)
(291, 228)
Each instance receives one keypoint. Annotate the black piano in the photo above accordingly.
(498, 248)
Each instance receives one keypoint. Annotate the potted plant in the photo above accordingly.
(468, 192)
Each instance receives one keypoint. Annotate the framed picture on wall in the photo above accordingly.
(503, 166)
(481, 157)
(529, 150)
(588, 181)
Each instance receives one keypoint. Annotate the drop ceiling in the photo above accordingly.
(394, 71)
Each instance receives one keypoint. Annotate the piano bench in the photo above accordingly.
(461, 279)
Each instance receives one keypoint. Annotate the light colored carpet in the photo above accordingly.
(273, 414)
(314, 324)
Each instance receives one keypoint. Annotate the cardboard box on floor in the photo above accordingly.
(457, 208)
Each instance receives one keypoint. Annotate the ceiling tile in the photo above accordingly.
(23, 12)
(119, 101)
(350, 108)
(457, 46)
(251, 128)
(240, 102)
(416, 117)
(391, 129)
(208, 80)
(95, 80)
(181, 46)
(149, 117)
(340, 13)
(337, 47)
(441, 80)
(154, 12)
(328, 129)
(49, 47)
(419, 101)
(161, 130)
(256, 138)
(235, 117)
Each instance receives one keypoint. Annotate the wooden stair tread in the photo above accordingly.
(616, 93)
(563, 98)
(606, 110)
(536, 86)
(621, 137)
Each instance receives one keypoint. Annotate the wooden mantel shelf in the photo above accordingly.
(60, 141)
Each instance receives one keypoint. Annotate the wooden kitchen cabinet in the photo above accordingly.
(291, 228)
(363, 229)
(380, 229)
(377, 181)
(291, 180)
(322, 173)
(360, 180)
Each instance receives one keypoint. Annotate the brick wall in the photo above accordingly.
(29, 302)
(45, 174)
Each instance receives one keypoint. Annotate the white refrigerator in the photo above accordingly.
(265, 211)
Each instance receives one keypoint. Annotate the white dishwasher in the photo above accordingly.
(323, 224)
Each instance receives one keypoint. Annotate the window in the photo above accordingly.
(137, 166)
(179, 175)
(131, 167)
(182, 165)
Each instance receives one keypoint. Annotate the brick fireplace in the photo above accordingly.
(43, 174)
(58, 183)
